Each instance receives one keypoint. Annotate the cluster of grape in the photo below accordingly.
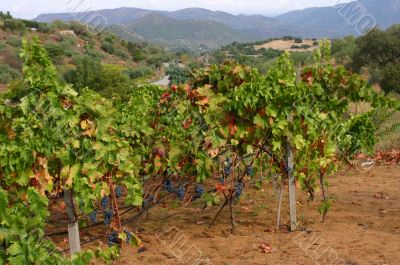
(113, 239)
(93, 216)
(238, 189)
(249, 171)
(147, 201)
(181, 193)
(128, 236)
(222, 181)
(198, 191)
(228, 166)
(104, 202)
(108, 215)
(168, 186)
(118, 191)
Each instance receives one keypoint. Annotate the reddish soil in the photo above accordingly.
(362, 228)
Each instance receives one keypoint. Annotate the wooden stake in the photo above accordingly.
(292, 187)
(73, 227)
(114, 199)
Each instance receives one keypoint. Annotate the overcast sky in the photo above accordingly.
(32, 8)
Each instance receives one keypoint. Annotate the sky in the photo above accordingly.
(30, 9)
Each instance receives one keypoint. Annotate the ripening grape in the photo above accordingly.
(168, 186)
(108, 215)
(104, 202)
(238, 189)
(249, 171)
(228, 162)
(128, 236)
(222, 180)
(181, 193)
(147, 201)
(118, 191)
(199, 191)
(228, 166)
(113, 239)
(227, 170)
(93, 216)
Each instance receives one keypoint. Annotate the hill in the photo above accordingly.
(73, 48)
(216, 28)
(343, 19)
(195, 34)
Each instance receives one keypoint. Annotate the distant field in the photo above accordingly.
(287, 45)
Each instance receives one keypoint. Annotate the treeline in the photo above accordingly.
(377, 54)
(263, 58)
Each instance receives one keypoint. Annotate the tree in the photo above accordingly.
(178, 75)
(379, 51)
(14, 25)
(6, 15)
(86, 73)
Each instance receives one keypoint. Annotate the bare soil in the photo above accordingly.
(286, 45)
(362, 228)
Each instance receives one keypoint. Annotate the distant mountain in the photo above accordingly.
(113, 16)
(213, 28)
(195, 34)
(334, 21)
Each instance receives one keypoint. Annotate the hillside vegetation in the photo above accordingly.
(103, 61)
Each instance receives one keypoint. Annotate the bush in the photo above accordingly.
(2, 45)
(14, 41)
(14, 25)
(108, 47)
(8, 74)
(178, 75)
(390, 81)
(298, 40)
(44, 28)
(54, 50)
(122, 54)
(139, 72)
(86, 73)
(94, 54)
(6, 15)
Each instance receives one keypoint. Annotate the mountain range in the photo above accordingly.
(198, 28)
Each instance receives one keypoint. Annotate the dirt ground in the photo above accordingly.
(362, 228)
(286, 45)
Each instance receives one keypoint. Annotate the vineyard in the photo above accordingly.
(76, 161)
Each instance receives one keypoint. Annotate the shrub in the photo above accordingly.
(54, 50)
(44, 28)
(86, 73)
(298, 40)
(8, 74)
(2, 45)
(108, 47)
(139, 72)
(14, 25)
(6, 15)
(94, 54)
(390, 81)
(14, 41)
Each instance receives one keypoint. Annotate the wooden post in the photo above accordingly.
(292, 186)
(73, 227)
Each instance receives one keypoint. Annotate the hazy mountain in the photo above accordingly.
(211, 28)
(344, 19)
(195, 34)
